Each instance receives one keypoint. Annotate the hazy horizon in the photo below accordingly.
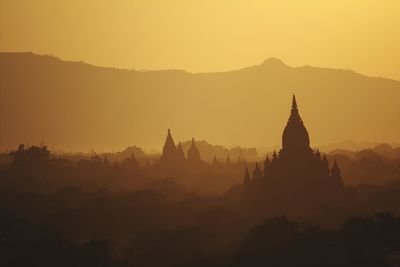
(104, 107)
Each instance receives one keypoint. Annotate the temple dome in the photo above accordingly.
(295, 136)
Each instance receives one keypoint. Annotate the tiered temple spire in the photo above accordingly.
(169, 154)
(180, 153)
(193, 153)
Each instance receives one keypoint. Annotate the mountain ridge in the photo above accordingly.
(267, 62)
(78, 106)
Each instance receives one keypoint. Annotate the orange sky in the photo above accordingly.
(208, 35)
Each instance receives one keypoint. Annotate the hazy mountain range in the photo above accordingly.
(77, 106)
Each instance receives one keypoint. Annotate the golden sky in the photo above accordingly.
(208, 35)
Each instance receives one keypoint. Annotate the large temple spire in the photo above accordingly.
(295, 136)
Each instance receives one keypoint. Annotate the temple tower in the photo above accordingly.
(295, 139)
(193, 153)
(169, 155)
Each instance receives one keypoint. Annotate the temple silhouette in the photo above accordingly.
(296, 177)
(173, 157)
(174, 163)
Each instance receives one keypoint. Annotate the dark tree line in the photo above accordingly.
(97, 213)
(360, 241)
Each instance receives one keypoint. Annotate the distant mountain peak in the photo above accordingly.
(274, 62)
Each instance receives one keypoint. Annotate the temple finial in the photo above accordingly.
(294, 103)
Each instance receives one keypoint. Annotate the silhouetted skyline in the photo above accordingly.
(199, 133)
(122, 209)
